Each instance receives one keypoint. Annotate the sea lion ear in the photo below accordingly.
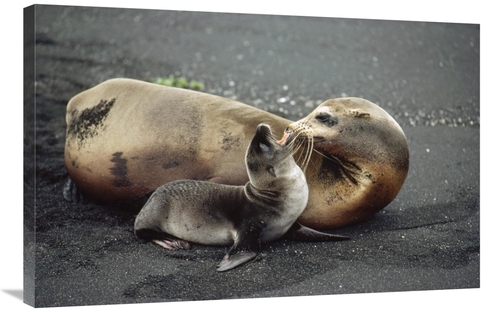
(270, 169)
(360, 114)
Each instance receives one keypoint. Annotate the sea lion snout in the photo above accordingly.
(264, 132)
(263, 129)
(261, 142)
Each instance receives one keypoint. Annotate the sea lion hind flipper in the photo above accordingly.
(302, 233)
(162, 239)
(172, 244)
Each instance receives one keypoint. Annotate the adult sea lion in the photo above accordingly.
(125, 138)
(262, 210)
(360, 164)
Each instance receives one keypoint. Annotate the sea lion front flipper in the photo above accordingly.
(303, 233)
(245, 248)
(232, 261)
(71, 193)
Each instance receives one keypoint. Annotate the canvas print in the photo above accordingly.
(183, 156)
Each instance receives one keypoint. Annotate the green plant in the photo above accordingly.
(181, 82)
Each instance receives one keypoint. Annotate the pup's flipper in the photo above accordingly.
(245, 248)
(232, 261)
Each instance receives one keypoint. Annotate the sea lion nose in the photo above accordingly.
(262, 126)
(263, 129)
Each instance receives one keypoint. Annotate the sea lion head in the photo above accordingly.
(354, 129)
(269, 160)
(360, 160)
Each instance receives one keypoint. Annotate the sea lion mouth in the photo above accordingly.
(288, 137)
(296, 136)
(265, 133)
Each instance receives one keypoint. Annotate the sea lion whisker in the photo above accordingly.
(297, 146)
(305, 155)
(305, 161)
(305, 152)
(310, 149)
(346, 166)
(301, 153)
(325, 156)
(329, 157)
(308, 142)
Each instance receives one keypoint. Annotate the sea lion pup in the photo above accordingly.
(359, 164)
(264, 209)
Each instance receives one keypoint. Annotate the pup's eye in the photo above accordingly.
(264, 147)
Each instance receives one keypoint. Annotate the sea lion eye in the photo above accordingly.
(264, 148)
(327, 119)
